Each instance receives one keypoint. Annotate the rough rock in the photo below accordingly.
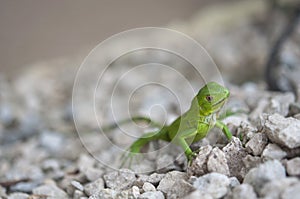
(77, 185)
(257, 144)
(94, 187)
(78, 194)
(270, 170)
(244, 191)
(198, 194)
(274, 189)
(292, 192)
(152, 195)
(282, 131)
(293, 166)
(234, 153)
(175, 184)
(120, 180)
(217, 162)
(199, 164)
(148, 187)
(51, 191)
(135, 191)
(214, 184)
(273, 151)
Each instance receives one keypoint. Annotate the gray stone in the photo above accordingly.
(18, 196)
(105, 194)
(282, 131)
(78, 194)
(257, 144)
(148, 187)
(152, 195)
(199, 164)
(293, 166)
(175, 184)
(92, 174)
(214, 184)
(234, 153)
(234, 182)
(52, 141)
(94, 187)
(244, 191)
(270, 170)
(51, 191)
(155, 178)
(77, 185)
(292, 192)
(279, 103)
(120, 180)
(135, 191)
(274, 189)
(50, 164)
(26, 187)
(198, 194)
(217, 162)
(273, 151)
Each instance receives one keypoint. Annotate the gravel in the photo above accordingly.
(41, 154)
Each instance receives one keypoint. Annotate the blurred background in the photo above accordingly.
(33, 30)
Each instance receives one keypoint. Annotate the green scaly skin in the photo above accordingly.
(193, 125)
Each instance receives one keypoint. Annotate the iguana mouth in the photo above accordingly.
(219, 102)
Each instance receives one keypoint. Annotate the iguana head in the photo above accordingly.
(211, 98)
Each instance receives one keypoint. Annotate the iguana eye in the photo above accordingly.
(209, 98)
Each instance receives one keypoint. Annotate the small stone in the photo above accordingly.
(270, 170)
(214, 184)
(77, 185)
(234, 153)
(50, 164)
(293, 166)
(198, 194)
(155, 178)
(292, 192)
(257, 144)
(78, 194)
(294, 109)
(135, 192)
(273, 151)
(93, 174)
(18, 196)
(282, 131)
(51, 191)
(174, 184)
(199, 164)
(52, 141)
(85, 162)
(152, 195)
(148, 187)
(94, 187)
(217, 162)
(279, 103)
(120, 180)
(274, 189)
(105, 194)
(24, 186)
(250, 162)
(234, 182)
(244, 191)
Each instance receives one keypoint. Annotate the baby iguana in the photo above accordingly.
(193, 125)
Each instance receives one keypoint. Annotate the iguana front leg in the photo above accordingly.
(224, 128)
